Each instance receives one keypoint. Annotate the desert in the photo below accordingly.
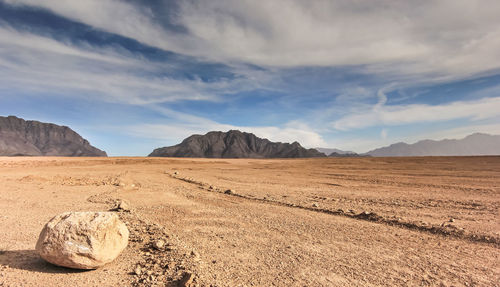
(249, 143)
(428, 221)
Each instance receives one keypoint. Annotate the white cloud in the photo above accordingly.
(418, 113)
(33, 63)
(383, 134)
(175, 133)
(409, 41)
(448, 38)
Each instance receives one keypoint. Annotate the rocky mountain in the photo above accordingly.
(475, 144)
(336, 154)
(32, 138)
(329, 151)
(234, 144)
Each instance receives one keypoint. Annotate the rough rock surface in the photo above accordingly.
(234, 144)
(82, 240)
(32, 138)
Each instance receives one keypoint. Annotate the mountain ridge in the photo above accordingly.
(329, 151)
(234, 144)
(19, 137)
(473, 144)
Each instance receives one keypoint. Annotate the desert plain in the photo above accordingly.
(426, 221)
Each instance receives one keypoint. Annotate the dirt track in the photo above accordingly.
(305, 222)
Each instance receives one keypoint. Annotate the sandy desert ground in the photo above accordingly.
(295, 222)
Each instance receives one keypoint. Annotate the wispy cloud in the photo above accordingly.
(172, 133)
(315, 73)
(39, 63)
(417, 113)
(399, 37)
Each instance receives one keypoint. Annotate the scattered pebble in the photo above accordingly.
(138, 270)
(159, 244)
(187, 279)
(196, 255)
(121, 205)
(229, 191)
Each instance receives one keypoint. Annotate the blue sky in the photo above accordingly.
(132, 76)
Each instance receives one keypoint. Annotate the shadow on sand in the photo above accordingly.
(30, 260)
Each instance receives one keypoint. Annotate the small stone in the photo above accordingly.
(229, 191)
(211, 187)
(315, 205)
(196, 255)
(186, 280)
(176, 173)
(149, 272)
(452, 220)
(159, 244)
(121, 205)
(138, 270)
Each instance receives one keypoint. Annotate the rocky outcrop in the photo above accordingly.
(475, 144)
(234, 144)
(32, 138)
(82, 240)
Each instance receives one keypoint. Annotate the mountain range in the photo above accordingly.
(234, 144)
(334, 151)
(32, 138)
(474, 144)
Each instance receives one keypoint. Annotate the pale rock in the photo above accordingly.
(121, 205)
(159, 244)
(82, 240)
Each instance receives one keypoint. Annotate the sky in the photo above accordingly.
(132, 75)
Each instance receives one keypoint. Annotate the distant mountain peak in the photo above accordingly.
(234, 144)
(474, 144)
(33, 138)
(329, 151)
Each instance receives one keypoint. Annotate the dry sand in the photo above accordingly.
(297, 222)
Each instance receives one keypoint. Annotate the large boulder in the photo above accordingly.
(82, 240)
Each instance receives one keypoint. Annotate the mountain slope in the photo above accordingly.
(329, 151)
(234, 144)
(475, 144)
(32, 138)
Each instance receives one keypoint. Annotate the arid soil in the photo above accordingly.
(430, 221)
